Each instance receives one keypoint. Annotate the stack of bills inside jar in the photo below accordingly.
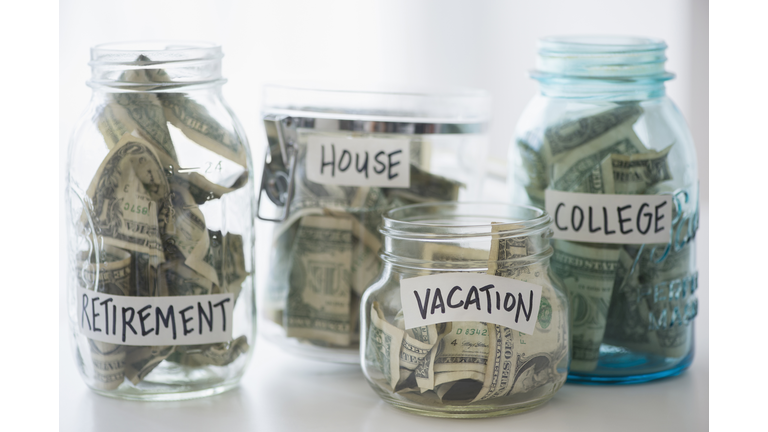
(609, 285)
(473, 362)
(325, 254)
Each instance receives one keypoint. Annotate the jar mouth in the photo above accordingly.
(604, 57)
(155, 65)
(377, 102)
(454, 220)
(599, 44)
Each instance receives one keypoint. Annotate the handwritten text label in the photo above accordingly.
(153, 321)
(480, 297)
(623, 219)
(358, 161)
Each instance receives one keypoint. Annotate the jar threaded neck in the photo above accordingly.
(601, 67)
(155, 65)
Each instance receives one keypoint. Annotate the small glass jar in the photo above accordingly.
(337, 158)
(160, 226)
(466, 319)
(610, 157)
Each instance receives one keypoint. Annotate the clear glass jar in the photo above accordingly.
(337, 158)
(444, 326)
(606, 152)
(160, 226)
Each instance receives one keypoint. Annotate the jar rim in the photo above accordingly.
(601, 66)
(456, 220)
(126, 52)
(155, 65)
(600, 44)
(377, 101)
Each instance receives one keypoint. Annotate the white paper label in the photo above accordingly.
(480, 297)
(344, 161)
(598, 218)
(153, 321)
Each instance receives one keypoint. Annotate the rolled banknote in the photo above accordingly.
(318, 306)
(108, 271)
(589, 273)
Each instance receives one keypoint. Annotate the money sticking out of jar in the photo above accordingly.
(466, 319)
(610, 157)
(160, 226)
(337, 158)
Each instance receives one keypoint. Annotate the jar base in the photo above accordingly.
(466, 412)
(298, 347)
(170, 382)
(631, 368)
(169, 395)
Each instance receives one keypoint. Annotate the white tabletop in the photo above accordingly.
(281, 392)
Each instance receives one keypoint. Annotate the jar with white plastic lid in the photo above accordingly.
(337, 158)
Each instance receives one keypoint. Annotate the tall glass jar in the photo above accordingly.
(610, 157)
(159, 193)
(466, 319)
(337, 158)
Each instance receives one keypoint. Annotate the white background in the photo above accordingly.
(485, 44)
(276, 37)
(482, 43)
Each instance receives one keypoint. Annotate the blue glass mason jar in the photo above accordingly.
(610, 157)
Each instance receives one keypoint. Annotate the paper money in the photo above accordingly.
(319, 294)
(589, 273)
(427, 187)
(432, 335)
(361, 209)
(384, 342)
(109, 272)
(141, 112)
(202, 127)
(575, 166)
(542, 358)
(127, 192)
(627, 325)
(176, 279)
(465, 352)
(220, 354)
(632, 174)
(670, 337)
(140, 361)
(108, 361)
(601, 154)
(517, 362)
(561, 139)
(146, 210)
